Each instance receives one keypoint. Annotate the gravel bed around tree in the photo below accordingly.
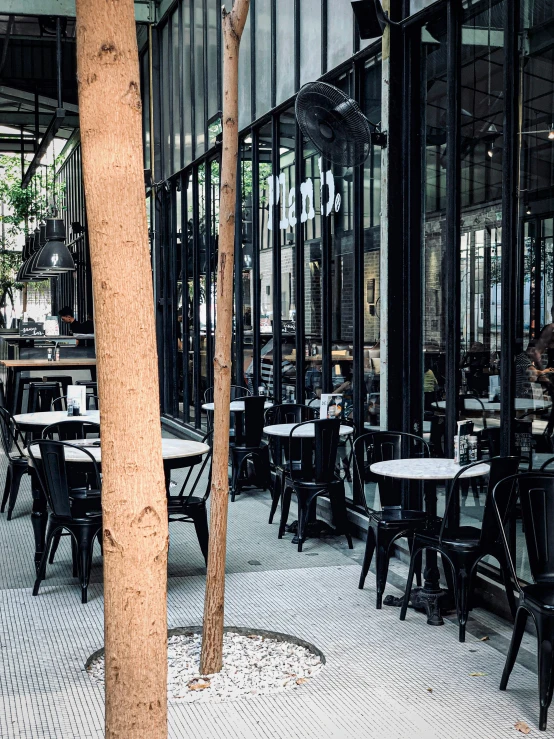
(253, 664)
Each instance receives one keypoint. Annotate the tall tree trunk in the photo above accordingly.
(212, 641)
(135, 531)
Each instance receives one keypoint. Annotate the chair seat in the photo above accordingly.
(83, 493)
(399, 517)
(87, 517)
(467, 537)
(176, 504)
(541, 595)
(16, 459)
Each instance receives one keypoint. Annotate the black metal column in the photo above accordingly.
(453, 210)
(510, 204)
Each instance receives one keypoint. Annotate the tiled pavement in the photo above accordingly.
(378, 673)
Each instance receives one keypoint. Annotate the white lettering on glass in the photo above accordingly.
(277, 193)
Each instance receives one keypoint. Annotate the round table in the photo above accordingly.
(39, 421)
(236, 406)
(307, 431)
(430, 470)
(176, 454)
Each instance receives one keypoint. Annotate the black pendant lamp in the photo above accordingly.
(54, 257)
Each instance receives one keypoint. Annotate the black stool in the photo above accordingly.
(63, 380)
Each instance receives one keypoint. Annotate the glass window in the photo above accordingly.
(145, 85)
(262, 19)
(285, 50)
(214, 11)
(245, 67)
(186, 81)
(176, 83)
(340, 34)
(310, 40)
(165, 94)
(199, 82)
(248, 285)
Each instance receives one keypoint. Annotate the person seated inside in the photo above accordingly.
(527, 372)
(76, 327)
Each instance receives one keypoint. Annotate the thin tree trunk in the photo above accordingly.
(212, 641)
(135, 530)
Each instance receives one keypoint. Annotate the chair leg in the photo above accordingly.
(382, 564)
(337, 496)
(505, 570)
(545, 636)
(276, 496)
(200, 520)
(55, 545)
(302, 518)
(85, 544)
(17, 474)
(517, 635)
(409, 584)
(419, 568)
(41, 572)
(75, 566)
(462, 586)
(285, 506)
(237, 469)
(7, 486)
(368, 555)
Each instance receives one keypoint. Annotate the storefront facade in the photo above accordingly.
(408, 281)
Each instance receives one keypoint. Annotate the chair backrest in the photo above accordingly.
(536, 495)
(289, 413)
(194, 474)
(490, 438)
(325, 445)
(71, 430)
(499, 468)
(249, 425)
(51, 469)
(237, 391)
(382, 446)
(41, 395)
(9, 433)
(60, 404)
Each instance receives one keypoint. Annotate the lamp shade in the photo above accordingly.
(54, 257)
(42, 234)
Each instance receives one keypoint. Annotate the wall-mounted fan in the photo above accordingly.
(335, 124)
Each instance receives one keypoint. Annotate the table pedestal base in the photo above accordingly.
(432, 602)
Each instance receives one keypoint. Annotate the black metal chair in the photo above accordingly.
(315, 475)
(463, 547)
(237, 391)
(79, 475)
(393, 521)
(536, 495)
(64, 381)
(280, 462)
(41, 395)
(12, 444)
(186, 506)
(248, 445)
(72, 429)
(60, 404)
(83, 525)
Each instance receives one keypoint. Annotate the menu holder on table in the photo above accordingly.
(331, 406)
(76, 400)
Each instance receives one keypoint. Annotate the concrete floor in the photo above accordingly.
(383, 678)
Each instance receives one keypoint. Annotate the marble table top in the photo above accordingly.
(45, 418)
(236, 405)
(521, 404)
(307, 431)
(425, 469)
(171, 449)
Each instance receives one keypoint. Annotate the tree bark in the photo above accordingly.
(135, 527)
(212, 641)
